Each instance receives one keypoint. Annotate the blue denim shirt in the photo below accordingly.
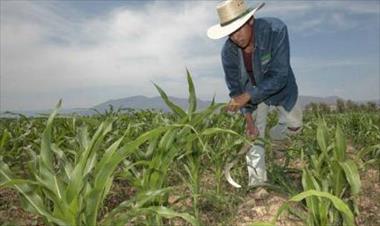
(275, 81)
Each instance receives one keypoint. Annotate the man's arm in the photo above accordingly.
(250, 127)
(230, 62)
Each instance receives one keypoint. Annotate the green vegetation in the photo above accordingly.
(66, 169)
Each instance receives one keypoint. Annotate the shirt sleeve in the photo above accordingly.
(230, 62)
(277, 75)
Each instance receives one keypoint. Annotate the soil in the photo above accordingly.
(12, 214)
(369, 199)
(252, 210)
(249, 209)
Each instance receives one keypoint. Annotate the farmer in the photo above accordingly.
(258, 74)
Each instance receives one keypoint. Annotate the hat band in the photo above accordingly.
(236, 18)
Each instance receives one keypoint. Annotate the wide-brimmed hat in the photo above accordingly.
(232, 15)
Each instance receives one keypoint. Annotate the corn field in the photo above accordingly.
(154, 168)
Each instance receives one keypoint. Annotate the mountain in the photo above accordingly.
(134, 102)
(143, 102)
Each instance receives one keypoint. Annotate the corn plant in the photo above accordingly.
(149, 171)
(330, 170)
(73, 162)
(330, 180)
(368, 157)
(337, 203)
(188, 137)
(70, 190)
(194, 139)
(18, 137)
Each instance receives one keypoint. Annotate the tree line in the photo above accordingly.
(342, 106)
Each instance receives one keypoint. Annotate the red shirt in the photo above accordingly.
(248, 66)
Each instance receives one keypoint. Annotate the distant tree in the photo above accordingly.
(371, 106)
(314, 107)
(340, 106)
(324, 108)
(308, 107)
(351, 106)
(362, 107)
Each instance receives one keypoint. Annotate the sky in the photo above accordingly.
(88, 52)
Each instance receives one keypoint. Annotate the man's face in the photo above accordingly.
(242, 36)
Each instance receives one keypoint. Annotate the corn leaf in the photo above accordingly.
(32, 198)
(352, 175)
(262, 224)
(46, 151)
(337, 202)
(4, 139)
(340, 147)
(322, 136)
(192, 96)
(212, 131)
(175, 108)
(309, 183)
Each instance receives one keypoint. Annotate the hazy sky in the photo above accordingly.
(87, 52)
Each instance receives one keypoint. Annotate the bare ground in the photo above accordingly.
(248, 210)
(369, 200)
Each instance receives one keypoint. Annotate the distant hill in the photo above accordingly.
(143, 102)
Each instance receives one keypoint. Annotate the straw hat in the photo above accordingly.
(232, 15)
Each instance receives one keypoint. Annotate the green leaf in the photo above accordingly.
(83, 137)
(322, 136)
(212, 101)
(167, 139)
(12, 182)
(32, 198)
(341, 146)
(201, 116)
(192, 96)
(4, 139)
(46, 151)
(108, 165)
(170, 213)
(175, 108)
(107, 156)
(215, 130)
(337, 180)
(102, 183)
(337, 202)
(309, 183)
(352, 175)
(138, 201)
(86, 162)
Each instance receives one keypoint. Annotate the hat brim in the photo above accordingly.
(217, 31)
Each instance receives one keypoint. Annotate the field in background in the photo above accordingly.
(155, 168)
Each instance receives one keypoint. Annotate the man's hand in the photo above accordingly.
(250, 129)
(237, 102)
